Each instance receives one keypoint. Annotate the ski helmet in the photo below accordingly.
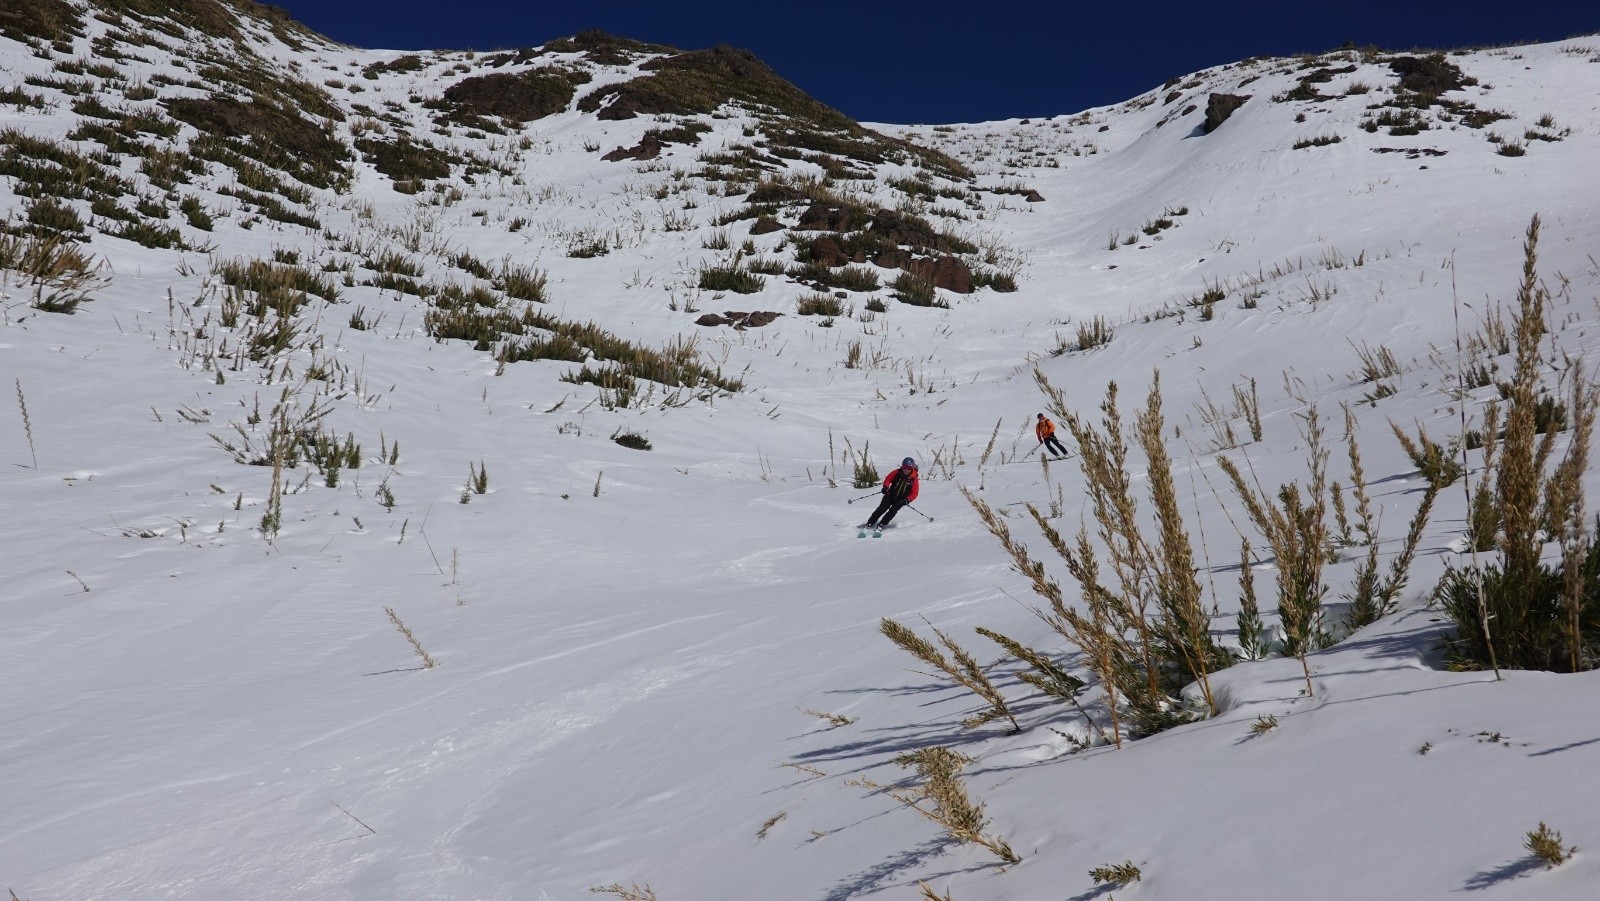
(909, 462)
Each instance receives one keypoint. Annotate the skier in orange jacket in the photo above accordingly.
(1046, 430)
(899, 489)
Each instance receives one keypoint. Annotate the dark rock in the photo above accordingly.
(648, 148)
(1034, 197)
(822, 217)
(945, 272)
(825, 251)
(624, 107)
(1325, 75)
(916, 233)
(1171, 97)
(765, 225)
(739, 319)
(1219, 107)
(892, 259)
(1429, 75)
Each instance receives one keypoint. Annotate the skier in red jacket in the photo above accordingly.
(899, 489)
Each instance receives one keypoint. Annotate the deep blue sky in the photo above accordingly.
(939, 61)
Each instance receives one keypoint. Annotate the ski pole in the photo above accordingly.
(919, 513)
(1030, 451)
(863, 497)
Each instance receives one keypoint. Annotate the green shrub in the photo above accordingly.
(195, 211)
(1318, 141)
(49, 216)
(150, 234)
(632, 440)
(916, 290)
(60, 275)
(263, 277)
(731, 277)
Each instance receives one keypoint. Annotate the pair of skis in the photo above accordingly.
(876, 531)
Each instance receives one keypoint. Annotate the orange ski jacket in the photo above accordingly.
(1044, 428)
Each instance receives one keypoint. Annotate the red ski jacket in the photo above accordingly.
(901, 485)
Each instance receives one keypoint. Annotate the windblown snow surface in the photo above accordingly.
(625, 640)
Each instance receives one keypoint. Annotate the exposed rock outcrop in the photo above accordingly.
(1219, 107)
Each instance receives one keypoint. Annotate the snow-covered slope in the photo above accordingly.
(624, 642)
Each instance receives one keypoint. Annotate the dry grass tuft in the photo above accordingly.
(631, 892)
(1119, 874)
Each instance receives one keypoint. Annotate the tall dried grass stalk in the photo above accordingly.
(27, 424)
(1253, 641)
(1564, 498)
(1524, 454)
(1483, 513)
(989, 448)
(1091, 634)
(1295, 528)
(1249, 403)
(962, 818)
(1184, 629)
(964, 671)
(1525, 613)
(1045, 675)
(427, 660)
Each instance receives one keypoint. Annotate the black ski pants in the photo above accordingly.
(1051, 443)
(887, 508)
